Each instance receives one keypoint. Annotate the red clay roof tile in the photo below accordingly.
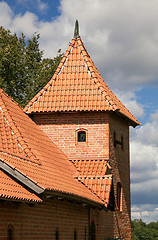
(9, 189)
(77, 86)
(24, 147)
(93, 174)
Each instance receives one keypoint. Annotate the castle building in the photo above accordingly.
(66, 174)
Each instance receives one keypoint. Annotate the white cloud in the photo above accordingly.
(5, 15)
(42, 6)
(27, 23)
(121, 36)
(129, 99)
(144, 170)
(147, 212)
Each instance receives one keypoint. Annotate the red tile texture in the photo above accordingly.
(77, 86)
(91, 168)
(92, 173)
(34, 155)
(9, 189)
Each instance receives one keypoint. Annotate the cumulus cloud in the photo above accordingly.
(147, 212)
(129, 99)
(5, 15)
(121, 36)
(144, 170)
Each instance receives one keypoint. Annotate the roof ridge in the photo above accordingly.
(90, 65)
(12, 125)
(61, 64)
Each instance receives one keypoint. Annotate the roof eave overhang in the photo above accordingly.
(129, 120)
(72, 197)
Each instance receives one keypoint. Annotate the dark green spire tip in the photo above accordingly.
(76, 31)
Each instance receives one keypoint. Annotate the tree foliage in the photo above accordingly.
(23, 70)
(143, 231)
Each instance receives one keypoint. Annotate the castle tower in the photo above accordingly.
(83, 117)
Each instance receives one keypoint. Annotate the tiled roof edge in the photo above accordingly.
(15, 129)
(61, 64)
(84, 199)
(21, 177)
(96, 79)
(100, 82)
(23, 199)
(86, 186)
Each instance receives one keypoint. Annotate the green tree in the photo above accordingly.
(143, 231)
(23, 70)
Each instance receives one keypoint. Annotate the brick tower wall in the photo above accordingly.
(62, 129)
(100, 127)
(119, 160)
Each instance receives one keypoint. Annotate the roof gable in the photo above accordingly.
(77, 86)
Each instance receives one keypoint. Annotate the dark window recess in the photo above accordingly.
(119, 196)
(92, 231)
(10, 232)
(57, 234)
(75, 234)
(117, 142)
(81, 136)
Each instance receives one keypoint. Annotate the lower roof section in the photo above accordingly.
(11, 190)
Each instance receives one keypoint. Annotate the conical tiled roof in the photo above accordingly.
(77, 86)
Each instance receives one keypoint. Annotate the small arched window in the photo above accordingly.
(10, 231)
(81, 136)
(119, 196)
(75, 234)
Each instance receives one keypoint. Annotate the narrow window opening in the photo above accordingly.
(57, 234)
(81, 136)
(119, 196)
(10, 232)
(92, 231)
(122, 143)
(75, 234)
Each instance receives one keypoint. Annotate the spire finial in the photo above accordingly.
(76, 31)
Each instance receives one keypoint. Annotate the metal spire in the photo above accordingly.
(76, 31)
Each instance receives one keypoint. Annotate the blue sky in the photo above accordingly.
(122, 38)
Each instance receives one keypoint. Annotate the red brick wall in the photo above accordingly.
(40, 221)
(119, 160)
(62, 127)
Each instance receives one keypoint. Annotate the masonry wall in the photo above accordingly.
(119, 160)
(100, 127)
(62, 129)
(41, 221)
(38, 222)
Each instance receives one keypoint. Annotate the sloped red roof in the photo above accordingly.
(24, 148)
(77, 86)
(93, 174)
(14, 191)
